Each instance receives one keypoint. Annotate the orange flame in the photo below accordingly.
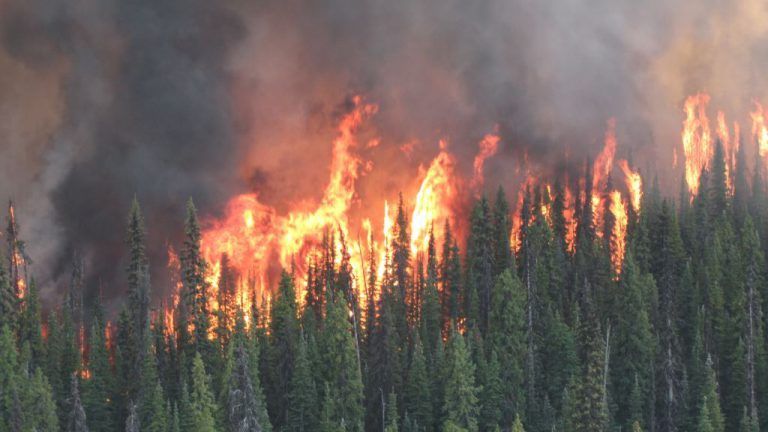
(571, 224)
(486, 148)
(697, 140)
(634, 182)
(760, 130)
(600, 173)
(437, 191)
(619, 234)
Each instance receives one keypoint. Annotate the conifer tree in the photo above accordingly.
(39, 406)
(631, 345)
(195, 293)
(418, 398)
(518, 425)
(342, 369)
(8, 300)
(132, 422)
(283, 335)
(76, 421)
(507, 338)
(244, 403)
(460, 402)
(201, 402)
(303, 410)
(98, 389)
(391, 416)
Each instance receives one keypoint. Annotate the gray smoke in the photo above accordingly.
(101, 100)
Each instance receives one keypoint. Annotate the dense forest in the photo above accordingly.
(530, 334)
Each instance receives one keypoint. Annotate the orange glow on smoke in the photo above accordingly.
(487, 147)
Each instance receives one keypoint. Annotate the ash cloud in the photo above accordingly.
(166, 99)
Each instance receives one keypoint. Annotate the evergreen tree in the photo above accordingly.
(303, 400)
(76, 421)
(132, 422)
(202, 404)
(631, 346)
(282, 348)
(342, 367)
(418, 398)
(39, 407)
(507, 338)
(98, 389)
(244, 403)
(518, 425)
(195, 290)
(391, 417)
(460, 403)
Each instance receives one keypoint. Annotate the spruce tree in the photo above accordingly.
(631, 346)
(98, 389)
(39, 406)
(76, 421)
(195, 289)
(201, 402)
(418, 398)
(507, 338)
(303, 410)
(342, 368)
(283, 336)
(460, 402)
(391, 416)
(244, 403)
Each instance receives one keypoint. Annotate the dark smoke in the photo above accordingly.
(101, 100)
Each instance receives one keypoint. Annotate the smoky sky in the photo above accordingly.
(104, 100)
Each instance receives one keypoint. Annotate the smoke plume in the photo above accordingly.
(104, 100)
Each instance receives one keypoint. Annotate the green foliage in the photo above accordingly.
(460, 402)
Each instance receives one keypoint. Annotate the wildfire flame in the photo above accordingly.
(601, 170)
(437, 191)
(619, 234)
(697, 140)
(634, 182)
(487, 147)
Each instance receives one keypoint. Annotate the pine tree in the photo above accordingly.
(76, 421)
(518, 425)
(244, 403)
(303, 399)
(138, 276)
(631, 346)
(195, 290)
(282, 348)
(502, 227)
(418, 398)
(710, 413)
(507, 338)
(98, 389)
(590, 410)
(342, 368)
(30, 326)
(480, 266)
(431, 323)
(132, 422)
(391, 417)
(39, 406)
(202, 404)
(9, 375)
(491, 394)
(460, 403)
(157, 420)
(8, 300)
